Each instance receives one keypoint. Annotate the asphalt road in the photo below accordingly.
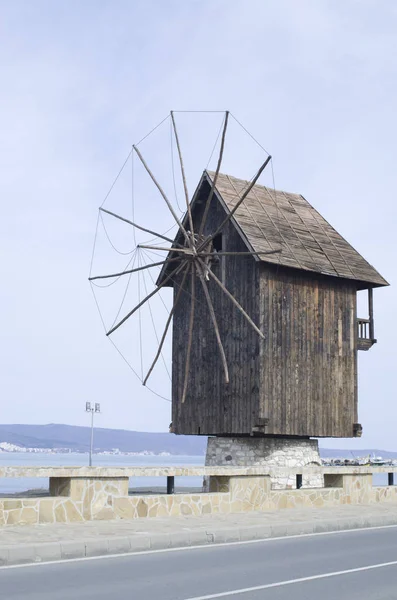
(347, 566)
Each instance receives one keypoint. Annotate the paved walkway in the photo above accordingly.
(36, 543)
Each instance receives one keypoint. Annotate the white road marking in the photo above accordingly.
(196, 547)
(267, 586)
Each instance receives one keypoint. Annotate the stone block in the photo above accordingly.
(96, 547)
(186, 509)
(199, 537)
(78, 488)
(206, 508)
(71, 549)
(73, 515)
(160, 541)
(13, 517)
(28, 516)
(139, 542)
(46, 510)
(20, 555)
(105, 514)
(12, 504)
(48, 551)
(119, 545)
(179, 539)
(223, 536)
(125, 509)
(60, 513)
(3, 557)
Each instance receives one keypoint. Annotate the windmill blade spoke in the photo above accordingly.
(156, 264)
(218, 166)
(233, 299)
(167, 326)
(159, 235)
(183, 250)
(189, 212)
(214, 322)
(124, 319)
(156, 183)
(243, 197)
(190, 334)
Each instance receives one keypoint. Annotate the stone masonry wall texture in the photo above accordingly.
(104, 499)
(267, 452)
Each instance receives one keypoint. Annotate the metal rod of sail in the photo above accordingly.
(239, 202)
(189, 212)
(160, 189)
(156, 264)
(208, 203)
(123, 320)
(214, 322)
(233, 299)
(166, 326)
(190, 334)
(159, 235)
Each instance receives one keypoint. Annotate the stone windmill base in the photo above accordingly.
(269, 452)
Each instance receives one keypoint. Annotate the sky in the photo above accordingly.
(314, 80)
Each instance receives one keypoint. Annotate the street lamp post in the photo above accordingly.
(96, 408)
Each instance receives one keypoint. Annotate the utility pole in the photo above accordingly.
(96, 408)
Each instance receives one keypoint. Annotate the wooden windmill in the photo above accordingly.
(265, 332)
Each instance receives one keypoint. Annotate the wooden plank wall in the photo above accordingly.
(309, 374)
(211, 406)
(302, 378)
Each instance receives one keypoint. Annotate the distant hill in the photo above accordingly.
(328, 453)
(78, 439)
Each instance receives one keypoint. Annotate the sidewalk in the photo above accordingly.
(37, 543)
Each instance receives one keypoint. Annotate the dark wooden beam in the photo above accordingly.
(189, 212)
(210, 195)
(159, 235)
(371, 314)
(123, 320)
(160, 189)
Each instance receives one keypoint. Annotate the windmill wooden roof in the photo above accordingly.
(270, 219)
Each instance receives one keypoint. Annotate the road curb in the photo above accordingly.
(141, 542)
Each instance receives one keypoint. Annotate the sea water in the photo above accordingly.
(12, 485)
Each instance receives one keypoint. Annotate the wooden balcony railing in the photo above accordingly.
(365, 334)
(363, 329)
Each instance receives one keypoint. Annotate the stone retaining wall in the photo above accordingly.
(101, 498)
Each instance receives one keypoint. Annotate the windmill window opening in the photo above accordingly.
(219, 261)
